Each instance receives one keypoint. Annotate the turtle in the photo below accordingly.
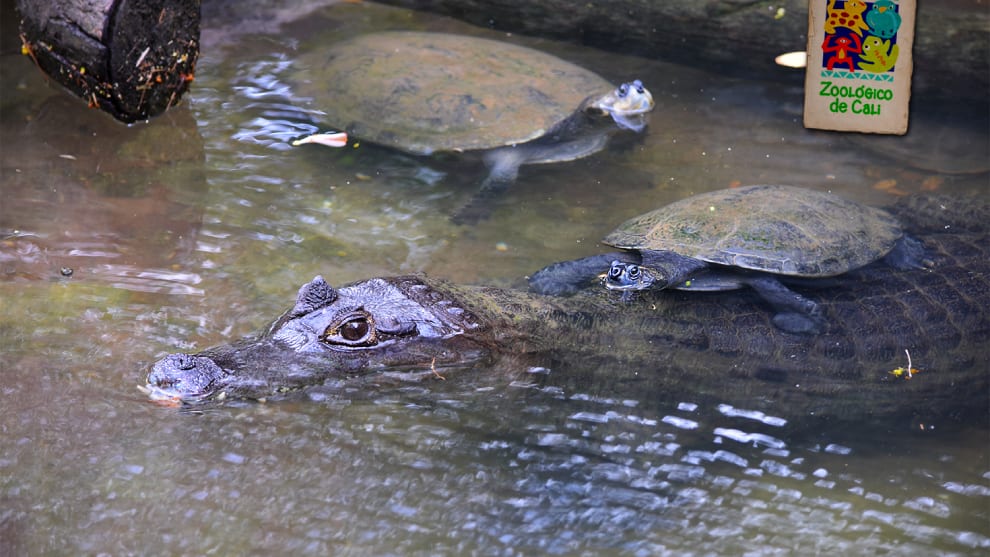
(423, 93)
(753, 236)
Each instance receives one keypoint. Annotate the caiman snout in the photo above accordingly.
(184, 377)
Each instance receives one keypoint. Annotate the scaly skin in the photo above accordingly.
(720, 345)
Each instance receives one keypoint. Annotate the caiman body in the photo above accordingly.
(721, 346)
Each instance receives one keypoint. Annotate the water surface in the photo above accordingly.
(120, 244)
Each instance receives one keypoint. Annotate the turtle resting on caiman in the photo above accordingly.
(724, 349)
(752, 236)
(425, 93)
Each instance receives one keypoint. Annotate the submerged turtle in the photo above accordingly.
(424, 93)
(750, 236)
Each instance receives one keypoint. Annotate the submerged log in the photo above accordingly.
(131, 58)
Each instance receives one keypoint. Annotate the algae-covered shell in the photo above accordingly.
(428, 92)
(777, 229)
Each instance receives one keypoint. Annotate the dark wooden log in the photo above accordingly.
(131, 58)
(951, 49)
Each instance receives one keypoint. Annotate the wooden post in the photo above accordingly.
(131, 58)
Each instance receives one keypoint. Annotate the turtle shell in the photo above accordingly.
(428, 92)
(777, 229)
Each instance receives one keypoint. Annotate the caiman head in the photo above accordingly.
(404, 325)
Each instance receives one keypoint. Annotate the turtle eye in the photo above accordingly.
(615, 272)
(623, 90)
(356, 329)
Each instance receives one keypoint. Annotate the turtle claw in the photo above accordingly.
(802, 317)
(799, 324)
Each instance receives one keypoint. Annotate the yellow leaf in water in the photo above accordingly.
(905, 373)
(889, 186)
(932, 183)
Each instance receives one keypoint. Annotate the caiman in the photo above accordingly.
(722, 346)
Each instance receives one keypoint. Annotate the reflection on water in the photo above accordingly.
(197, 227)
(501, 470)
(94, 198)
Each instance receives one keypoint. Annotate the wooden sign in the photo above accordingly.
(859, 65)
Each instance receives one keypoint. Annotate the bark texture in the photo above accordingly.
(131, 58)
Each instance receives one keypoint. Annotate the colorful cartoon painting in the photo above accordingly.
(858, 77)
(883, 19)
(878, 55)
(861, 39)
(849, 15)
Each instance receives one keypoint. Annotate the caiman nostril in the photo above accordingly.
(184, 361)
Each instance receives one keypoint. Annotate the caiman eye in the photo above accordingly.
(356, 329)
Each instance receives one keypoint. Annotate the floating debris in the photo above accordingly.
(906, 373)
(932, 183)
(795, 59)
(889, 186)
(330, 139)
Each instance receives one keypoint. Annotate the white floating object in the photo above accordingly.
(796, 59)
(330, 139)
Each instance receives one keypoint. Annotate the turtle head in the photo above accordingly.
(628, 104)
(630, 276)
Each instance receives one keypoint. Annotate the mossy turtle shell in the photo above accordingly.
(428, 92)
(777, 229)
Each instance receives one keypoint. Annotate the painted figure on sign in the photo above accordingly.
(883, 19)
(850, 16)
(878, 55)
(843, 47)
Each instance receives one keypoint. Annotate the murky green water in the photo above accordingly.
(200, 226)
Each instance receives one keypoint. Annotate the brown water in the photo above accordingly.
(199, 227)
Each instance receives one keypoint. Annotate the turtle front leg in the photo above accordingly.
(908, 254)
(795, 313)
(504, 169)
(569, 277)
